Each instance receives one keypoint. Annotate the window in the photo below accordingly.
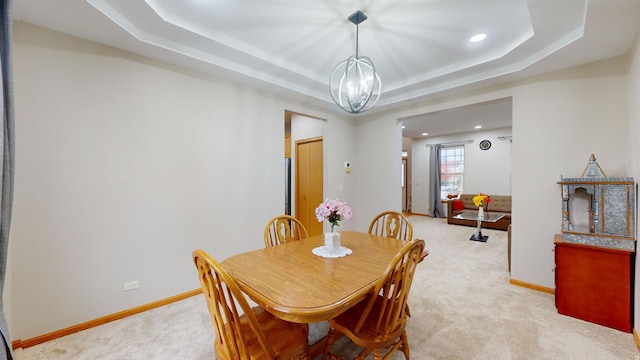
(451, 170)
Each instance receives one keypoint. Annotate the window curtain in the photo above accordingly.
(435, 203)
(7, 148)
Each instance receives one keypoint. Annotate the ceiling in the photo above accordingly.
(421, 48)
(489, 115)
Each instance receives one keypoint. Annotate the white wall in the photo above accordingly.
(486, 171)
(125, 165)
(339, 146)
(420, 177)
(558, 120)
(377, 168)
(634, 133)
(304, 127)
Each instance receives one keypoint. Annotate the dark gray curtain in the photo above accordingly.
(435, 203)
(6, 186)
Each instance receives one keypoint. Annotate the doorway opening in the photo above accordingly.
(304, 168)
(487, 169)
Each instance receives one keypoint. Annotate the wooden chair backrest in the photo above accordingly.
(282, 229)
(226, 305)
(392, 293)
(392, 224)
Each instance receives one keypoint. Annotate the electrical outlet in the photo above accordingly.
(131, 285)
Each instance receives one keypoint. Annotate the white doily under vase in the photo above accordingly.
(331, 253)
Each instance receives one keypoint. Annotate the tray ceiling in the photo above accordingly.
(421, 48)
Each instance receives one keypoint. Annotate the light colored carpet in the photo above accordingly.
(462, 306)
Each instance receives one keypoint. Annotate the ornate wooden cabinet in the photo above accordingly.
(595, 260)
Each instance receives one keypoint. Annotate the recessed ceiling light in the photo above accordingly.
(478, 37)
(478, 126)
(403, 126)
(425, 134)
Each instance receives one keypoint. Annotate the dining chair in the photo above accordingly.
(392, 224)
(244, 332)
(282, 229)
(379, 321)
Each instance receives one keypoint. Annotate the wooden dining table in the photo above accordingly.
(296, 285)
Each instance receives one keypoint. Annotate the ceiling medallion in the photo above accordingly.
(355, 86)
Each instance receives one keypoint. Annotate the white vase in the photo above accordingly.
(332, 241)
(480, 213)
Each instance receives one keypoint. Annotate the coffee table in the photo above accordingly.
(473, 215)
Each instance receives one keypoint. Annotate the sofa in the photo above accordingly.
(498, 204)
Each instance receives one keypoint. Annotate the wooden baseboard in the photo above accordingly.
(17, 344)
(636, 338)
(419, 214)
(532, 286)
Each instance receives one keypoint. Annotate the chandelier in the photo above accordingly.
(355, 86)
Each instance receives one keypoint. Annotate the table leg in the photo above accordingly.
(478, 235)
(317, 348)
